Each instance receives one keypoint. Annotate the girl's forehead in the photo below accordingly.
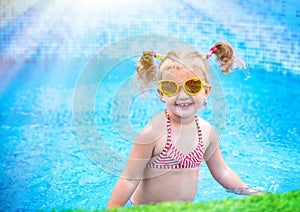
(178, 74)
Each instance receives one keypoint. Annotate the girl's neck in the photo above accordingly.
(175, 119)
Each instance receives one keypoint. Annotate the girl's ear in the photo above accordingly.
(160, 95)
(207, 91)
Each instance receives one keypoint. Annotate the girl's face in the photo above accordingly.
(183, 104)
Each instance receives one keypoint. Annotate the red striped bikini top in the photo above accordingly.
(172, 158)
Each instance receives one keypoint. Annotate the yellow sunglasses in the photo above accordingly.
(191, 86)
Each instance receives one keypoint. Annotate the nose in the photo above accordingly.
(182, 94)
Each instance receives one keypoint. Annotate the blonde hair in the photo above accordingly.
(147, 72)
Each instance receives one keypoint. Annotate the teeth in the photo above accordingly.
(184, 104)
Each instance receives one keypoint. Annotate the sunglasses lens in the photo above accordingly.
(168, 88)
(193, 86)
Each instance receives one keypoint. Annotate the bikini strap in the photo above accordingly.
(199, 131)
(169, 138)
(169, 127)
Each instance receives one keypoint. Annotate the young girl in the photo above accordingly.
(164, 161)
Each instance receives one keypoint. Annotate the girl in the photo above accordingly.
(164, 161)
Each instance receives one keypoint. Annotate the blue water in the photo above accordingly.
(65, 132)
(44, 165)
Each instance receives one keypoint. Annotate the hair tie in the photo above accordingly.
(157, 56)
(211, 51)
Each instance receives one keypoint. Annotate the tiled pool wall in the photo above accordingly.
(264, 33)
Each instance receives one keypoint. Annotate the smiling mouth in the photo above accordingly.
(184, 104)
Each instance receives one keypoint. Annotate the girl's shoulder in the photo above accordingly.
(154, 129)
(207, 130)
(204, 125)
(156, 124)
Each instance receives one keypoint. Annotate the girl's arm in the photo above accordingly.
(220, 171)
(140, 154)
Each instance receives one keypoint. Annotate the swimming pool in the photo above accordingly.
(46, 164)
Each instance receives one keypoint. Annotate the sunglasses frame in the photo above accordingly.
(204, 84)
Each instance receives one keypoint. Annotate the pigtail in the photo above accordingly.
(145, 70)
(224, 54)
(226, 58)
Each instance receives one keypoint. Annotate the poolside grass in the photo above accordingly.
(289, 201)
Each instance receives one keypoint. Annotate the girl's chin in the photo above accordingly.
(185, 111)
(185, 107)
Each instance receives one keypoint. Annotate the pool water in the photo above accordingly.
(64, 138)
(45, 165)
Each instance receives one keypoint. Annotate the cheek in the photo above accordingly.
(199, 99)
(169, 100)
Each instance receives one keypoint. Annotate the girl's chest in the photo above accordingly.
(184, 140)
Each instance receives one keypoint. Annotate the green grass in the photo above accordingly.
(289, 201)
